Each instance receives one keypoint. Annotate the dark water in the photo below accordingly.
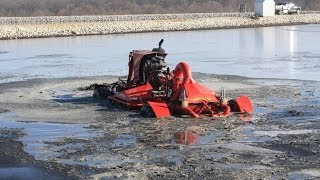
(25, 173)
(40, 135)
(289, 52)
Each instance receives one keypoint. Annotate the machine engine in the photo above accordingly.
(156, 72)
(159, 92)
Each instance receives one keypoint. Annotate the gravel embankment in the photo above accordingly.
(11, 28)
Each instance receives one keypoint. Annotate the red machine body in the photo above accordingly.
(159, 92)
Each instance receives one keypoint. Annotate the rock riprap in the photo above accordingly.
(33, 27)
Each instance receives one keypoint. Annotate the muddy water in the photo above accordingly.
(39, 135)
(281, 141)
(288, 52)
(25, 173)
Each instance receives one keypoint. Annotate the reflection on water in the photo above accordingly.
(290, 52)
(186, 137)
(292, 47)
(25, 173)
(265, 40)
(271, 41)
(39, 135)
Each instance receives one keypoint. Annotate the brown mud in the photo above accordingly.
(281, 140)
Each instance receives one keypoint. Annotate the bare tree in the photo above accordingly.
(104, 7)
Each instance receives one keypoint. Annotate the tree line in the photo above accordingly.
(12, 8)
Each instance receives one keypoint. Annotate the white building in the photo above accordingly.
(264, 7)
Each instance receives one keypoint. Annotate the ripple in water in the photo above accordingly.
(4, 52)
(47, 56)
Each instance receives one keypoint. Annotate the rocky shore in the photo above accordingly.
(33, 27)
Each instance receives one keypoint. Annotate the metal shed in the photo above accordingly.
(264, 7)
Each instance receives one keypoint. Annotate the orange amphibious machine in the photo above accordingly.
(159, 92)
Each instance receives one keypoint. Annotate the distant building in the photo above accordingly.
(264, 8)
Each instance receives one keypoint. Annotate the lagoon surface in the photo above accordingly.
(286, 52)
